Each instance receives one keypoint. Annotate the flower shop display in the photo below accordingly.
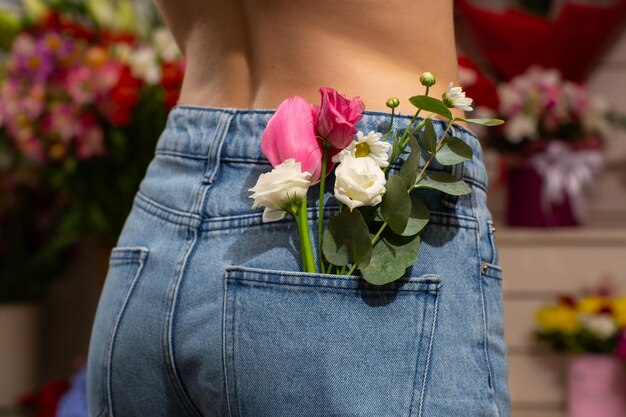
(569, 38)
(377, 228)
(85, 89)
(592, 330)
(87, 104)
(551, 145)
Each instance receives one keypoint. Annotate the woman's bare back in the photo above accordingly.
(255, 53)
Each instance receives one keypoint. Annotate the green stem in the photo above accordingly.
(302, 222)
(320, 213)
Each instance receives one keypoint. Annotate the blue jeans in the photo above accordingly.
(204, 312)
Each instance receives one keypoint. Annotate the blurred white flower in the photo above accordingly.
(359, 182)
(164, 44)
(278, 189)
(122, 51)
(601, 325)
(519, 127)
(370, 146)
(143, 65)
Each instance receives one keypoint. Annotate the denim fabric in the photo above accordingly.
(204, 312)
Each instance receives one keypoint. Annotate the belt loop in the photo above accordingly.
(215, 147)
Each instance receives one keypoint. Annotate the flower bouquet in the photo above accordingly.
(83, 99)
(377, 228)
(593, 329)
(552, 144)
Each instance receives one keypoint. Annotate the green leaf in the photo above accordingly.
(419, 218)
(411, 166)
(9, 27)
(445, 182)
(347, 240)
(429, 138)
(453, 151)
(391, 256)
(432, 105)
(396, 205)
(483, 122)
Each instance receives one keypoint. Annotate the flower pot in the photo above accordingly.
(596, 386)
(525, 204)
(19, 351)
(549, 187)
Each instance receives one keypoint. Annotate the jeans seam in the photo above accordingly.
(485, 335)
(225, 320)
(118, 319)
(168, 348)
(430, 346)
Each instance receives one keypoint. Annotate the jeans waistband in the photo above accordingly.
(235, 134)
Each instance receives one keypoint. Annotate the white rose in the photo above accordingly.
(359, 182)
(278, 189)
(370, 146)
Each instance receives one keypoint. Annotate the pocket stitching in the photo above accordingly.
(423, 283)
(139, 255)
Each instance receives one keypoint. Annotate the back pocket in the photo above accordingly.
(301, 344)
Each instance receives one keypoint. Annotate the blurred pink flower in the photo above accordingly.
(61, 121)
(90, 138)
(337, 117)
(79, 84)
(290, 133)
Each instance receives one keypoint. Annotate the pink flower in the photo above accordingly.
(620, 351)
(290, 133)
(61, 121)
(90, 139)
(338, 116)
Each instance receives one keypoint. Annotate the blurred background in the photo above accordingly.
(85, 88)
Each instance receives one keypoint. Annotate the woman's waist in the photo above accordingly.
(373, 82)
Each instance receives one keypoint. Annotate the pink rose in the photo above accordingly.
(290, 133)
(337, 117)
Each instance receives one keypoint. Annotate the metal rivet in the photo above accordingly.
(493, 229)
(484, 267)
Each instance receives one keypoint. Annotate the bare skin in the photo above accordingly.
(256, 53)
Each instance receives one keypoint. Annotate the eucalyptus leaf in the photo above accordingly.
(453, 151)
(396, 205)
(391, 256)
(369, 213)
(445, 182)
(429, 138)
(347, 240)
(418, 219)
(484, 121)
(432, 105)
(411, 166)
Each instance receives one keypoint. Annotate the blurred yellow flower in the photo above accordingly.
(618, 306)
(591, 304)
(560, 318)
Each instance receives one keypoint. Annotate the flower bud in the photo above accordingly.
(393, 102)
(427, 79)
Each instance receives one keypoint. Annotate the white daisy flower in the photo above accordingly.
(455, 97)
(370, 146)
